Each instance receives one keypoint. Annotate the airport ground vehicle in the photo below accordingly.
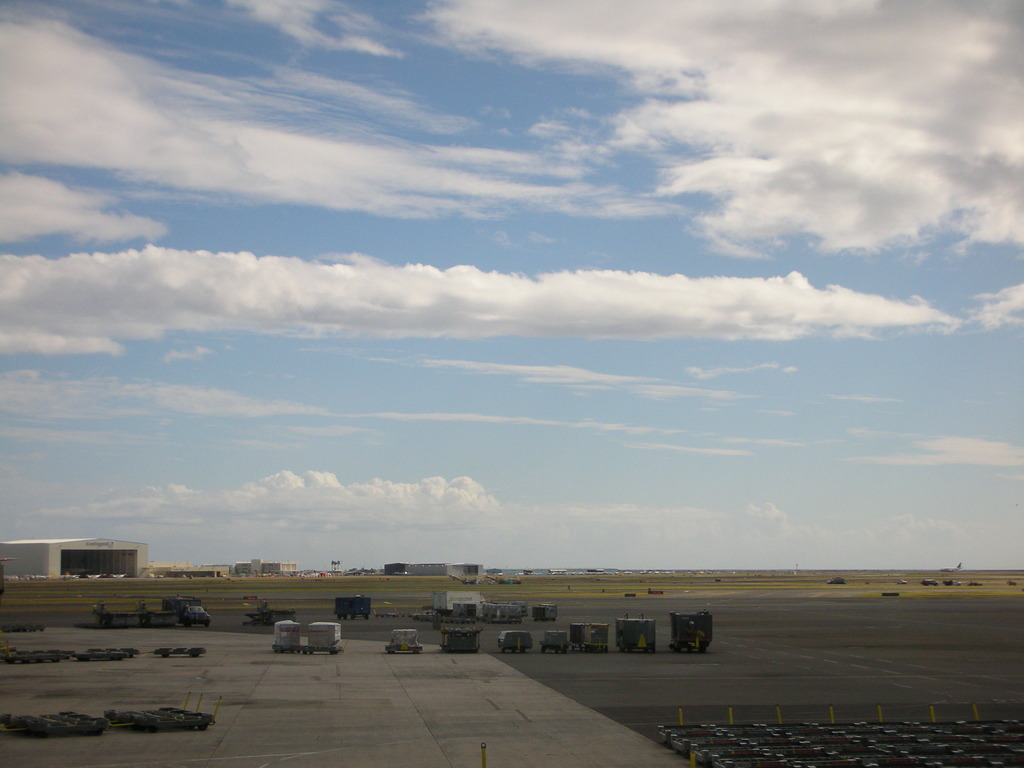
(545, 612)
(403, 641)
(556, 640)
(460, 639)
(188, 610)
(265, 616)
(589, 636)
(690, 631)
(515, 640)
(635, 634)
(352, 606)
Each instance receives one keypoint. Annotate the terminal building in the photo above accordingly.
(74, 557)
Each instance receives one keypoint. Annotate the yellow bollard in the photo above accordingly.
(931, 711)
(974, 709)
(879, 708)
(778, 714)
(730, 716)
(483, 754)
(831, 715)
(693, 759)
(680, 715)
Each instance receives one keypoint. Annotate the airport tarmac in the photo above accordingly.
(796, 656)
(359, 708)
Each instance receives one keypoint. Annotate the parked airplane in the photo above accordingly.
(952, 570)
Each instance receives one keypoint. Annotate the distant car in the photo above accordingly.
(929, 582)
(836, 580)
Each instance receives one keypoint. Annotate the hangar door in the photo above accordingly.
(93, 562)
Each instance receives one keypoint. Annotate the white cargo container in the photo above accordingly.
(323, 636)
(445, 601)
(287, 637)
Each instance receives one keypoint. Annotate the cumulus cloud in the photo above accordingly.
(86, 302)
(32, 206)
(862, 124)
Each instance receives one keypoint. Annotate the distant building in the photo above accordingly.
(186, 570)
(264, 568)
(458, 570)
(74, 557)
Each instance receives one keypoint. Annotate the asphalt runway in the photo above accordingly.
(795, 656)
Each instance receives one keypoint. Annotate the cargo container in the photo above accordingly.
(515, 640)
(403, 641)
(352, 606)
(591, 637)
(690, 631)
(502, 613)
(287, 637)
(323, 637)
(460, 639)
(545, 612)
(556, 640)
(444, 602)
(635, 635)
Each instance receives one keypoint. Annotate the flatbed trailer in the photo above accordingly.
(14, 656)
(162, 719)
(193, 652)
(62, 723)
(265, 616)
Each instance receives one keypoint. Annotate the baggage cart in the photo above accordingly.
(460, 639)
(403, 641)
(635, 634)
(556, 640)
(690, 631)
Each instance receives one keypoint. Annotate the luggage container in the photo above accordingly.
(690, 631)
(590, 637)
(556, 640)
(287, 637)
(403, 641)
(323, 637)
(515, 640)
(545, 612)
(635, 635)
(460, 639)
(501, 613)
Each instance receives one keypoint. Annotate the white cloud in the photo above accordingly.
(196, 353)
(712, 373)
(32, 206)
(304, 20)
(1003, 308)
(864, 124)
(581, 379)
(945, 451)
(30, 394)
(86, 302)
(69, 99)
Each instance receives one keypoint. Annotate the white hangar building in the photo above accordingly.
(77, 557)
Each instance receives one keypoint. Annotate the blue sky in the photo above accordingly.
(577, 284)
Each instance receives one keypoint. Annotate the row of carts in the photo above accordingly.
(850, 745)
(75, 723)
(690, 632)
(14, 656)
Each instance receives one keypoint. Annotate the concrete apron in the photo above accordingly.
(361, 707)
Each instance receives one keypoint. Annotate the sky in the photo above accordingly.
(692, 285)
